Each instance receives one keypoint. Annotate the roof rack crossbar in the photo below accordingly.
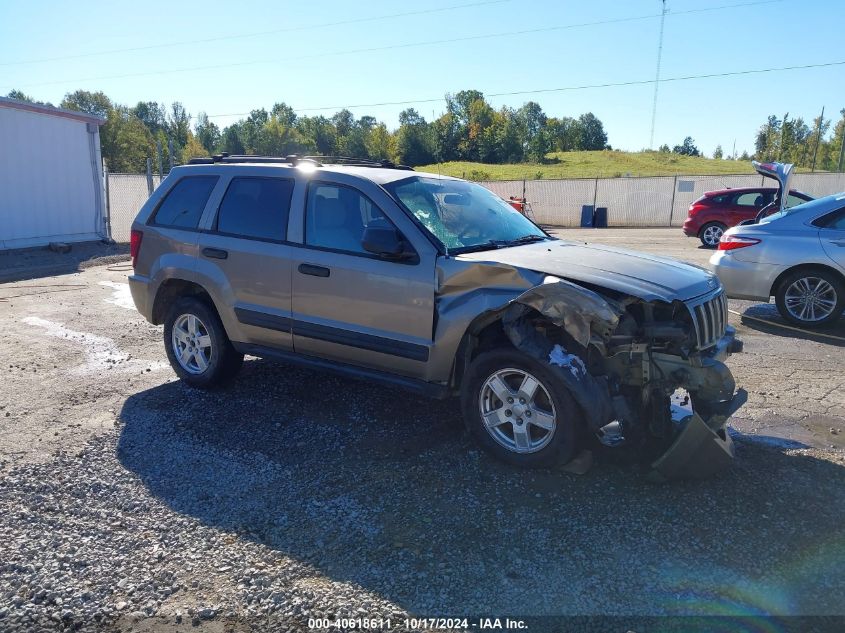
(294, 159)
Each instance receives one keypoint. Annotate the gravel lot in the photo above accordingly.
(128, 501)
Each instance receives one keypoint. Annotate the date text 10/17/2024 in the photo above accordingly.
(417, 624)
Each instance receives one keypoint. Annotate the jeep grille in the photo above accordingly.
(710, 317)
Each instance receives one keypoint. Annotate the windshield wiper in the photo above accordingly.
(483, 246)
(494, 244)
(525, 239)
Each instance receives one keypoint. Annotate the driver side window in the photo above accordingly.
(336, 216)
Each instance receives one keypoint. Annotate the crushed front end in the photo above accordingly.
(653, 374)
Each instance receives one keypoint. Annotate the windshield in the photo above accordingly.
(464, 216)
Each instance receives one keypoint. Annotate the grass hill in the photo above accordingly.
(598, 164)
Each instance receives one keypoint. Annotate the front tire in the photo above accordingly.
(197, 346)
(711, 233)
(811, 297)
(519, 411)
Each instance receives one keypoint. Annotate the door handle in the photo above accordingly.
(316, 271)
(215, 253)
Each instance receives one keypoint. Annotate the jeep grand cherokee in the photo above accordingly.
(437, 285)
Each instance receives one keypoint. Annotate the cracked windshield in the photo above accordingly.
(464, 216)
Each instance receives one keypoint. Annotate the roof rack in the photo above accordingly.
(359, 162)
(294, 159)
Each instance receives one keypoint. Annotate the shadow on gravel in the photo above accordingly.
(33, 263)
(765, 318)
(384, 490)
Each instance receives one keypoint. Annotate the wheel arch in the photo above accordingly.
(174, 288)
(808, 267)
(484, 332)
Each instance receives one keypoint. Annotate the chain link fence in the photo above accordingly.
(634, 202)
(127, 194)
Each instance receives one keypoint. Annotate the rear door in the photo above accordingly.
(245, 252)
(746, 206)
(353, 306)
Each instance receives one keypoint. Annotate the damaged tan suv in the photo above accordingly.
(437, 285)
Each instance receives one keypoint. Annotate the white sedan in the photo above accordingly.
(796, 255)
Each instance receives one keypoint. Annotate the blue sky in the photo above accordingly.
(310, 66)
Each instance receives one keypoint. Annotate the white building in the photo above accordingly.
(51, 176)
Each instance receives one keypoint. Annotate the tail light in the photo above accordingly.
(697, 206)
(733, 242)
(135, 238)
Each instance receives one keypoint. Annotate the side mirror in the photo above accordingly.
(386, 242)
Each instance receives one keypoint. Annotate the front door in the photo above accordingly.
(350, 305)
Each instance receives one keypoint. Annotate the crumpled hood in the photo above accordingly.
(647, 277)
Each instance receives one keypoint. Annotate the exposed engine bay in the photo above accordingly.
(646, 374)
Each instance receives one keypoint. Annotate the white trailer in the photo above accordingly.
(51, 176)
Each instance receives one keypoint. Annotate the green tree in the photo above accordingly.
(193, 148)
(153, 115)
(381, 144)
(207, 133)
(321, 132)
(687, 148)
(413, 139)
(96, 103)
(230, 140)
(533, 120)
(593, 136)
(125, 141)
(718, 153)
(276, 138)
(22, 96)
(178, 125)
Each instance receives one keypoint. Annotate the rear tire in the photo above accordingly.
(811, 297)
(197, 346)
(711, 233)
(537, 428)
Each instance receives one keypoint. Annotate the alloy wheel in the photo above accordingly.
(517, 411)
(810, 299)
(712, 235)
(191, 343)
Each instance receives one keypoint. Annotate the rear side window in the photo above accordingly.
(752, 199)
(835, 220)
(257, 208)
(183, 204)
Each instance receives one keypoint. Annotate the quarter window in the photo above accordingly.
(336, 216)
(835, 220)
(256, 208)
(184, 203)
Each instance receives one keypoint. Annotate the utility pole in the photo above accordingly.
(782, 136)
(657, 74)
(842, 143)
(818, 139)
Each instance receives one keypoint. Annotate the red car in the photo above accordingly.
(716, 211)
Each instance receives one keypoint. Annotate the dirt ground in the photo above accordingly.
(292, 494)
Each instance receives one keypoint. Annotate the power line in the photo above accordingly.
(640, 82)
(400, 46)
(253, 34)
